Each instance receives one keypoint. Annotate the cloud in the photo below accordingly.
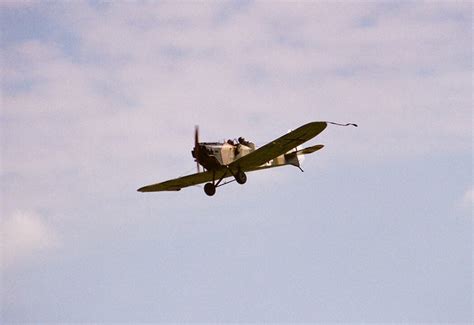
(116, 96)
(468, 198)
(131, 81)
(101, 98)
(17, 4)
(25, 234)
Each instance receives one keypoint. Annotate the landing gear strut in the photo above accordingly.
(210, 188)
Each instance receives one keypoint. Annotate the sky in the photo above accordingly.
(101, 98)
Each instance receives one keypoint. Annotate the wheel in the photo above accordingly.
(210, 189)
(240, 177)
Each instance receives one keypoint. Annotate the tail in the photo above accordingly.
(295, 158)
(307, 151)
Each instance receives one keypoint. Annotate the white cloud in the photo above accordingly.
(138, 78)
(90, 115)
(468, 198)
(17, 4)
(25, 234)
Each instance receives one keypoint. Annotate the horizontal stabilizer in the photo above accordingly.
(307, 151)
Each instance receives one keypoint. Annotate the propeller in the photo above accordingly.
(196, 147)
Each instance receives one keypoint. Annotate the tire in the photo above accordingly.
(210, 189)
(240, 177)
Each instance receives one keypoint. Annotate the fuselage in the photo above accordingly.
(216, 155)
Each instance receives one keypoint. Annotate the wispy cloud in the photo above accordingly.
(132, 80)
(99, 98)
(25, 234)
(468, 198)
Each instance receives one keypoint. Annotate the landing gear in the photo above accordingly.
(210, 189)
(240, 177)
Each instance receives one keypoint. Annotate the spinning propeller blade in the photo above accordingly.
(196, 147)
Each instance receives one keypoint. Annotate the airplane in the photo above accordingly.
(234, 158)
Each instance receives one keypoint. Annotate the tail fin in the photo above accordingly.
(293, 159)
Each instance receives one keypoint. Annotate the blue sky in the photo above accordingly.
(98, 99)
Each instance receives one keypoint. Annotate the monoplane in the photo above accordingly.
(234, 158)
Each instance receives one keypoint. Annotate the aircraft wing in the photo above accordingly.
(180, 182)
(279, 146)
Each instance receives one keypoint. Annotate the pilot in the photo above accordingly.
(244, 142)
(240, 142)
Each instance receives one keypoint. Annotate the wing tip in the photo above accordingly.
(318, 124)
(150, 188)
